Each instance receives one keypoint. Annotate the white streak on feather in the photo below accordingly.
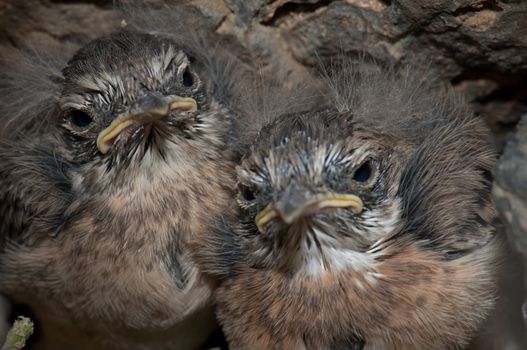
(337, 259)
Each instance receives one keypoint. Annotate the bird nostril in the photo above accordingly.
(180, 115)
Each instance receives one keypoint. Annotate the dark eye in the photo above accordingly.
(80, 119)
(363, 173)
(188, 79)
(247, 193)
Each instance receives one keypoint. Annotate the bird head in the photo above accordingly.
(315, 183)
(348, 217)
(132, 98)
(133, 144)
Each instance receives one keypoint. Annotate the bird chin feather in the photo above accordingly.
(317, 245)
(143, 145)
(313, 252)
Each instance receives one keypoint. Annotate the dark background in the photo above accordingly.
(478, 46)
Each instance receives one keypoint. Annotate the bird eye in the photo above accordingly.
(188, 79)
(363, 173)
(247, 193)
(80, 119)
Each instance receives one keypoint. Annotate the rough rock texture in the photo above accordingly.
(479, 46)
(510, 189)
(510, 193)
(4, 325)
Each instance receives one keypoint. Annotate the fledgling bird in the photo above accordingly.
(365, 224)
(107, 178)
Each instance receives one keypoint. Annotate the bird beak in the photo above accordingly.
(296, 202)
(152, 108)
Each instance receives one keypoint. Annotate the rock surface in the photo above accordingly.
(4, 325)
(510, 193)
(479, 46)
(510, 189)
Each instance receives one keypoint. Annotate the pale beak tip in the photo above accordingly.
(102, 146)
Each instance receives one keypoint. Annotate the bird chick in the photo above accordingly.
(366, 224)
(104, 190)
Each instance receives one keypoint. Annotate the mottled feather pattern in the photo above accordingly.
(256, 98)
(423, 277)
(36, 179)
(124, 251)
(100, 245)
(464, 157)
(441, 133)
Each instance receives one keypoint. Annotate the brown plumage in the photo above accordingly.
(109, 172)
(366, 224)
